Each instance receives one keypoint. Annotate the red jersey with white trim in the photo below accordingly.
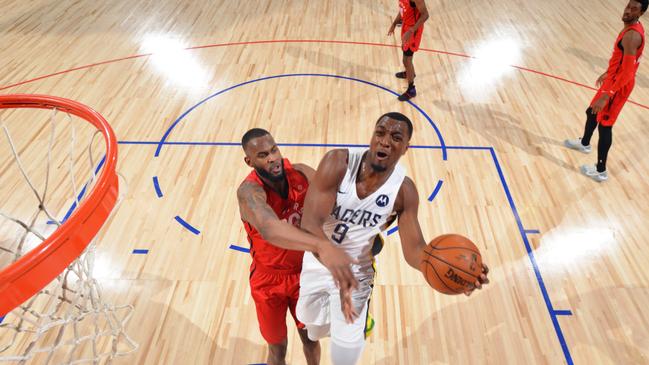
(409, 12)
(615, 62)
(288, 209)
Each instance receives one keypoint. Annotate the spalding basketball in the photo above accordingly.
(451, 264)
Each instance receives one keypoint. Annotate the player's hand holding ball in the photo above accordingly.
(452, 264)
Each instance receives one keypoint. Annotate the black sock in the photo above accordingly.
(604, 144)
(411, 85)
(589, 128)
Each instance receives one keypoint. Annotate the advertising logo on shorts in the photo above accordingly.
(382, 200)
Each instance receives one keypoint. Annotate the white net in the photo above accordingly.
(44, 176)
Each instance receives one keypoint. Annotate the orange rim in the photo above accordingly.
(32, 272)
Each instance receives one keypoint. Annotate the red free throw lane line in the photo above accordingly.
(302, 41)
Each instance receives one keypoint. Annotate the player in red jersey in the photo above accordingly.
(412, 14)
(615, 86)
(271, 201)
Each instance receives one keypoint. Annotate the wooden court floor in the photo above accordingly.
(500, 85)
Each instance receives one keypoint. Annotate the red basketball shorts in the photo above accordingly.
(413, 43)
(274, 293)
(608, 116)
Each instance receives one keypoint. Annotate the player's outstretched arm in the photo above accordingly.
(319, 202)
(412, 240)
(254, 210)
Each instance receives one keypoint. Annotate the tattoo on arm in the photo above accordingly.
(253, 205)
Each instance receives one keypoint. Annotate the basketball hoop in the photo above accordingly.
(60, 267)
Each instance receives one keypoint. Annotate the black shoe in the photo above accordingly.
(402, 75)
(409, 94)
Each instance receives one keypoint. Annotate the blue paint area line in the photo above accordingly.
(532, 231)
(393, 230)
(530, 253)
(184, 114)
(140, 251)
(562, 312)
(348, 145)
(187, 225)
(2, 319)
(437, 188)
(239, 248)
(156, 185)
(339, 145)
(477, 148)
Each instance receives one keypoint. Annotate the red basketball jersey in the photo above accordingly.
(409, 12)
(290, 210)
(618, 53)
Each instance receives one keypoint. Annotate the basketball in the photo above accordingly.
(451, 263)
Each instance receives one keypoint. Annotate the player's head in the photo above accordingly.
(390, 141)
(262, 154)
(634, 9)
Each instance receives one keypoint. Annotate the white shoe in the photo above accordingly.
(575, 144)
(591, 171)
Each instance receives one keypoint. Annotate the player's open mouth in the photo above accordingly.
(276, 170)
(381, 155)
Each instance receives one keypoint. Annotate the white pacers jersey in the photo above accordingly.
(354, 222)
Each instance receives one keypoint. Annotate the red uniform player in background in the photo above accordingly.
(412, 15)
(615, 86)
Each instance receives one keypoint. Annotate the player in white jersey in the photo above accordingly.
(353, 195)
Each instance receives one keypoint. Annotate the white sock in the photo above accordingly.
(345, 355)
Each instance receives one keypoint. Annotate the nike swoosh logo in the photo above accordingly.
(342, 192)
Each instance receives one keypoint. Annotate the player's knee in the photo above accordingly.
(278, 351)
(607, 129)
(310, 346)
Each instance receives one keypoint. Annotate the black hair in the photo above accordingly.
(644, 4)
(402, 118)
(252, 134)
